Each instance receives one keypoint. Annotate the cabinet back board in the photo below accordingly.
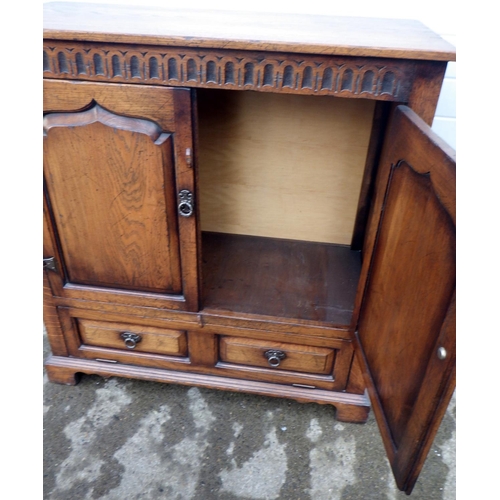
(282, 166)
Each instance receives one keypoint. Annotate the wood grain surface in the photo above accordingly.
(112, 165)
(298, 33)
(280, 278)
(154, 340)
(282, 72)
(297, 358)
(408, 286)
(281, 166)
(112, 187)
(151, 103)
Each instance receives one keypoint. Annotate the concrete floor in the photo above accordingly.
(126, 440)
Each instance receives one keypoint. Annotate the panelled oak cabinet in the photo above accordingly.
(296, 239)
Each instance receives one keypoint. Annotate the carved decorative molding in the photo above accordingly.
(101, 115)
(372, 78)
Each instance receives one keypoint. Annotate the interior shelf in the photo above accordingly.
(280, 278)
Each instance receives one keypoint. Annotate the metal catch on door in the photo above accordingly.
(50, 264)
(185, 203)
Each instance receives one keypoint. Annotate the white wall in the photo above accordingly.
(445, 119)
(440, 16)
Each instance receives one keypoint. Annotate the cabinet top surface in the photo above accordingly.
(346, 36)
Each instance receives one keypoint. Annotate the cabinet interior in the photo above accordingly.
(279, 184)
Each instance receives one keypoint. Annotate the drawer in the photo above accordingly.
(135, 338)
(277, 356)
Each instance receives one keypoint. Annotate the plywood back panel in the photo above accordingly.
(281, 166)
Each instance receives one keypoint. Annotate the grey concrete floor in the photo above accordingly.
(125, 439)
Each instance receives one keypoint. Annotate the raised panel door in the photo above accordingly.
(111, 186)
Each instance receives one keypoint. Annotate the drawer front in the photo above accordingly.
(277, 356)
(135, 338)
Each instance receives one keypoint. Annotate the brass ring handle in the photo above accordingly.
(274, 357)
(131, 339)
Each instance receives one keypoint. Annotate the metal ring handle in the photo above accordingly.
(130, 343)
(274, 361)
(185, 206)
(130, 339)
(274, 357)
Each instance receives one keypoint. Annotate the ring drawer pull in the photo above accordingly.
(131, 339)
(274, 357)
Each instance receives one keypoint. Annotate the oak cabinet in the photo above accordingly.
(295, 240)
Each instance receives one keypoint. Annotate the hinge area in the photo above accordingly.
(50, 264)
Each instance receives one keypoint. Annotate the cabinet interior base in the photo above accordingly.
(280, 278)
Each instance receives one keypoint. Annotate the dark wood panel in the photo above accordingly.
(412, 280)
(379, 123)
(280, 278)
(111, 184)
(426, 88)
(407, 290)
(356, 77)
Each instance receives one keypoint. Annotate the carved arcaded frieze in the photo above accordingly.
(371, 78)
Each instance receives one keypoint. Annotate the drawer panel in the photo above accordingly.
(277, 356)
(133, 337)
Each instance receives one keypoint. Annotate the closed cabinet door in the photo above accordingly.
(119, 198)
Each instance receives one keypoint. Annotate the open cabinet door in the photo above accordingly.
(406, 326)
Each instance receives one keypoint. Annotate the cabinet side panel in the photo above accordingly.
(426, 87)
(51, 321)
(52, 284)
